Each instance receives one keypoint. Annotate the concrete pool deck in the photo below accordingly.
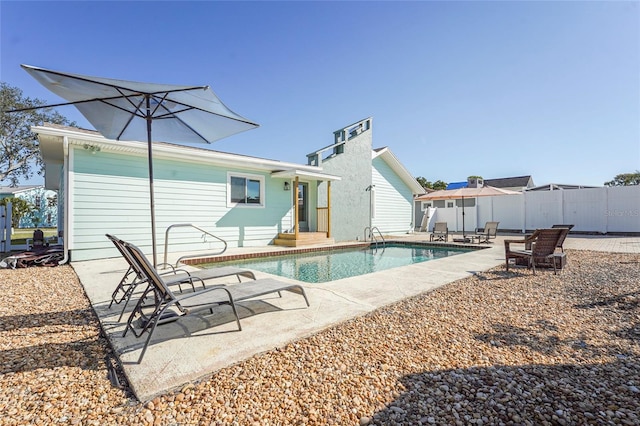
(204, 345)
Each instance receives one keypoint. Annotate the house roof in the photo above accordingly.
(557, 186)
(53, 147)
(457, 185)
(510, 182)
(393, 162)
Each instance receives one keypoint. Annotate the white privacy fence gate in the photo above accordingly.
(602, 210)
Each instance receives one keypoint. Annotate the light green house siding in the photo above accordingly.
(111, 195)
(392, 200)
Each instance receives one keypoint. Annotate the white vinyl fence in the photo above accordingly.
(601, 210)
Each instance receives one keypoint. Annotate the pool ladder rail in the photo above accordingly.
(372, 236)
(204, 237)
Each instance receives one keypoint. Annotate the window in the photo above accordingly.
(426, 205)
(245, 190)
(449, 204)
(468, 202)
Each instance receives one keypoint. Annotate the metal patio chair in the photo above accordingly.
(440, 232)
(134, 276)
(166, 306)
(488, 233)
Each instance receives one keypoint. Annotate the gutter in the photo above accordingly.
(65, 231)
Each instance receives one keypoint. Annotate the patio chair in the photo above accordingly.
(561, 240)
(543, 244)
(38, 240)
(168, 307)
(440, 232)
(134, 276)
(489, 232)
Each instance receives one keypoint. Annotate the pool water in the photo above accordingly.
(331, 265)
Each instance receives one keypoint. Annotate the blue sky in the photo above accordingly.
(496, 89)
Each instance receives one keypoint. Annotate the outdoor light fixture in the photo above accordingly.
(91, 148)
(287, 186)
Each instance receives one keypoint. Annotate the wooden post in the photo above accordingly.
(328, 209)
(295, 205)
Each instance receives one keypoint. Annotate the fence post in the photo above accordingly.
(5, 228)
(2, 229)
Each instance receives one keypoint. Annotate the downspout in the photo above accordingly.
(65, 170)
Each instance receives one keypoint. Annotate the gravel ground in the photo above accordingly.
(497, 348)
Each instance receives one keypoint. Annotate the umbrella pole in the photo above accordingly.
(151, 197)
(463, 236)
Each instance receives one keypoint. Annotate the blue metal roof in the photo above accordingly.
(456, 185)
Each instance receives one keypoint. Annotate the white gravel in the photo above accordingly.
(497, 348)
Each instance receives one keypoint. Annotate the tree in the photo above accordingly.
(439, 185)
(19, 209)
(431, 185)
(423, 182)
(19, 151)
(625, 179)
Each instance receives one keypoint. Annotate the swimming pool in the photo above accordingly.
(331, 265)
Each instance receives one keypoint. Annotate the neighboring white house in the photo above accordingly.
(43, 201)
(247, 201)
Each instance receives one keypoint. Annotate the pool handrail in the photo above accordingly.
(184, 225)
(372, 235)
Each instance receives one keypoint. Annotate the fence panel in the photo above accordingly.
(622, 209)
(584, 208)
(542, 209)
(614, 209)
(445, 215)
(506, 209)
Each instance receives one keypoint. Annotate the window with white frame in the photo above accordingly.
(245, 190)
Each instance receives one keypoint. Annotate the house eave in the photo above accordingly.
(51, 144)
(293, 173)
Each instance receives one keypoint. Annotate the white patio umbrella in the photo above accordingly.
(127, 110)
(461, 193)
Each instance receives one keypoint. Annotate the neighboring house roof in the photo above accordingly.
(510, 182)
(52, 139)
(557, 186)
(457, 185)
(393, 162)
(14, 190)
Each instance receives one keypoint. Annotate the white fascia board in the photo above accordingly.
(171, 151)
(292, 173)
